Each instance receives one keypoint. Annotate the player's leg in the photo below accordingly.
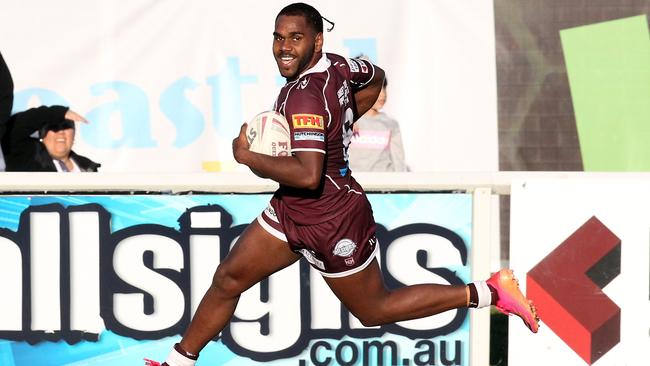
(362, 288)
(256, 255)
(366, 296)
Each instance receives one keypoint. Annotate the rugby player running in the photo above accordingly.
(319, 211)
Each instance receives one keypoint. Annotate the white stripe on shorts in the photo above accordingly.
(271, 230)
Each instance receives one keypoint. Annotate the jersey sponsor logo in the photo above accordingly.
(343, 94)
(311, 258)
(364, 68)
(354, 65)
(308, 121)
(309, 136)
(344, 248)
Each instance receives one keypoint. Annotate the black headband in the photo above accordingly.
(327, 20)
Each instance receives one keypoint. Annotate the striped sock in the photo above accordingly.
(480, 295)
(179, 357)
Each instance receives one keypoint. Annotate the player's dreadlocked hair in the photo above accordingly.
(309, 12)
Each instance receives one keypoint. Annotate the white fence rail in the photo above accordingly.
(497, 182)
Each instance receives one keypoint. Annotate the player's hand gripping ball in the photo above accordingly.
(268, 133)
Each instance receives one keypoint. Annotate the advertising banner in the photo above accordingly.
(166, 85)
(584, 247)
(113, 279)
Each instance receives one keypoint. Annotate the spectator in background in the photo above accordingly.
(6, 100)
(52, 150)
(377, 141)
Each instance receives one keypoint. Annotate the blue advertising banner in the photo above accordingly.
(113, 279)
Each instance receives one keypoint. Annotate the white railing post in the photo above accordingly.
(479, 339)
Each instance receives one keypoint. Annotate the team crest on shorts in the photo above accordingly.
(344, 248)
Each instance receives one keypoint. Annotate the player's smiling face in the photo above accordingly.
(296, 45)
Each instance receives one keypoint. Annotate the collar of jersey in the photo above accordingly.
(320, 66)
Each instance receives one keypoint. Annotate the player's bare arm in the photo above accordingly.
(302, 170)
(366, 97)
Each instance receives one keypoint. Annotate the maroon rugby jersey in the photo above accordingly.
(320, 109)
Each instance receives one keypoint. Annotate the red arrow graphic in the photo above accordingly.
(566, 288)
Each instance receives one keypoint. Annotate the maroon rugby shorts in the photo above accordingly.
(338, 247)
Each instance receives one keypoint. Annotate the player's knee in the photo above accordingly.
(226, 283)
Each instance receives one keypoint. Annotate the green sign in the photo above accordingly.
(608, 65)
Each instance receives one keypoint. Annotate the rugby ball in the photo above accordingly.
(269, 134)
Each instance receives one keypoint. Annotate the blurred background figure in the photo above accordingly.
(51, 150)
(377, 141)
(6, 101)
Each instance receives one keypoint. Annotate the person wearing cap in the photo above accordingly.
(52, 150)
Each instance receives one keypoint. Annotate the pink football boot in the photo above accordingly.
(511, 300)
(148, 362)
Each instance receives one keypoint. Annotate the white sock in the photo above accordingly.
(177, 359)
(484, 294)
